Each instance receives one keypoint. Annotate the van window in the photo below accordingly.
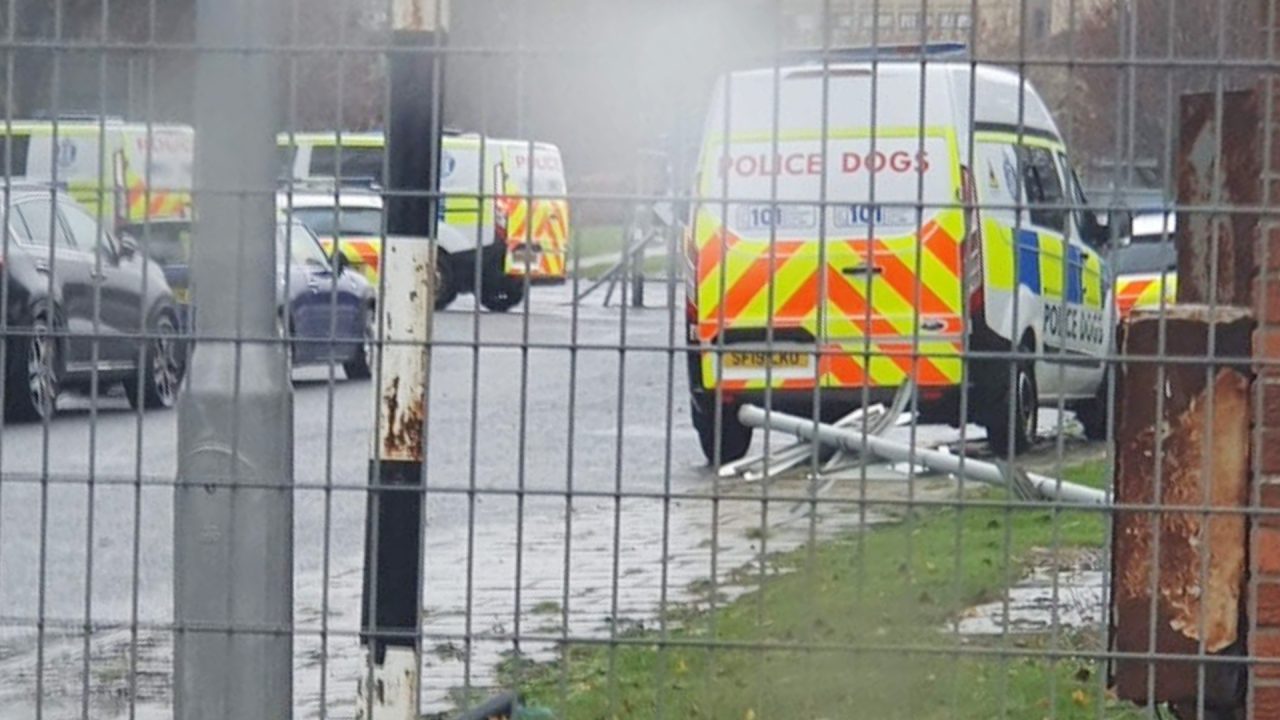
(881, 174)
(1075, 194)
(1043, 187)
(362, 163)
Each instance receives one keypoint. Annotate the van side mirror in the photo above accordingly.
(1102, 225)
(1121, 221)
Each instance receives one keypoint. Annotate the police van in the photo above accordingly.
(833, 257)
(128, 173)
(506, 197)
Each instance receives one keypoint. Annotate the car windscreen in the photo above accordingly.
(304, 248)
(1145, 255)
(342, 222)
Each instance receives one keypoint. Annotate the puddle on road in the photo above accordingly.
(1065, 598)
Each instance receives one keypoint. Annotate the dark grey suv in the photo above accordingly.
(78, 301)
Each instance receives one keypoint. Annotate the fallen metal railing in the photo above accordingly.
(852, 440)
(875, 420)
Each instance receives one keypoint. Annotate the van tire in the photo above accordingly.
(446, 284)
(733, 438)
(500, 292)
(1025, 405)
(1093, 414)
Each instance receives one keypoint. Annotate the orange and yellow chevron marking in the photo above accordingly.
(159, 205)
(548, 232)
(873, 296)
(1143, 291)
(364, 253)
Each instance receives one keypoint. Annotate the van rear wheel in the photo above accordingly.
(1020, 398)
(732, 437)
(446, 285)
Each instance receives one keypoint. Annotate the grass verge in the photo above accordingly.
(890, 593)
(589, 241)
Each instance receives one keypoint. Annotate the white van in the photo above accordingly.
(854, 253)
(132, 173)
(506, 197)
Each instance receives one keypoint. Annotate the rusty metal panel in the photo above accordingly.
(1219, 166)
(1199, 558)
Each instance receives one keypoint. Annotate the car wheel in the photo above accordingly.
(33, 374)
(361, 366)
(1022, 399)
(732, 437)
(446, 284)
(162, 369)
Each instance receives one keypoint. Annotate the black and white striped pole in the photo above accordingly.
(389, 688)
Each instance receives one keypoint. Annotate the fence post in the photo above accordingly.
(394, 522)
(233, 503)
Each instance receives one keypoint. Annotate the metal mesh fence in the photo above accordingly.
(567, 359)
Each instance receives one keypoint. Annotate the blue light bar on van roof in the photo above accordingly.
(932, 51)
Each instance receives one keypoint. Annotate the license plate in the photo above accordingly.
(763, 359)
(523, 256)
(181, 296)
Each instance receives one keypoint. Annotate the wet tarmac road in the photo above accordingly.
(500, 421)
(522, 425)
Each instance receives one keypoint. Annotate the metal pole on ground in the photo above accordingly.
(389, 685)
(854, 441)
(233, 504)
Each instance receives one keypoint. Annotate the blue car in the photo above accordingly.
(330, 312)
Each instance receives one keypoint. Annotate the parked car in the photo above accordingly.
(1146, 264)
(328, 314)
(354, 222)
(82, 301)
(330, 307)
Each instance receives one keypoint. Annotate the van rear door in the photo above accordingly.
(851, 244)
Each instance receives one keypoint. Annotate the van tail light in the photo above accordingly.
(971, 245)
(691, 291)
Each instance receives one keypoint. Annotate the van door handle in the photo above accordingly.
(42, 266)
(861, 270)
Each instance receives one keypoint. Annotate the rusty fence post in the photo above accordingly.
(394, 524)
(1182, 562)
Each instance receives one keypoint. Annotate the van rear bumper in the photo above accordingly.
(938, 405)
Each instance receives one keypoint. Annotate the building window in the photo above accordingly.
(946, 20)
(964, 21)
(909, 21)
(867, 21)
(886, 21)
